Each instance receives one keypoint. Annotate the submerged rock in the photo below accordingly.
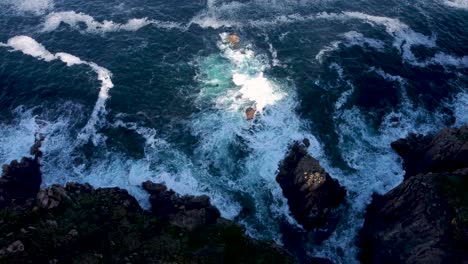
(313, 195)
(425, 218)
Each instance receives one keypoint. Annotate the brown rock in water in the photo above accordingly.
(425, 218)
(250, 113)
(234, 39)
(446, 151)
(311, 192)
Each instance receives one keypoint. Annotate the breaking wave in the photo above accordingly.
(29, 46)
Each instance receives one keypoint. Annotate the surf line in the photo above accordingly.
(31, 47)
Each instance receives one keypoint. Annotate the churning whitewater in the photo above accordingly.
(129, 91)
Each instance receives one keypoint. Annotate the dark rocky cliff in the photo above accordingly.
(425, 218)
(79, 224)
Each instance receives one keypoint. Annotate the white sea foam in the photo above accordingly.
(460, 109)
(404, 37)
(352, 38)
(36, 7)
(346, 94)
(444, 59)
(63, 160)
(74, 20)
(18, 136)
(29, 46)
(462, 4)
(230, 82)
(357, 39)
(335, 45)
(376, 167)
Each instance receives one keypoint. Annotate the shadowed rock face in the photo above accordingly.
(425, 218)
(312, 194)
(446, 151)
(187, 211)
(21, 180)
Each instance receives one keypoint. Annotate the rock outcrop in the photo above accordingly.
(79, 224)
(250, 113)
(187, 211)
(446, 151)
(425, 218)
(313, 195)
(21, 180)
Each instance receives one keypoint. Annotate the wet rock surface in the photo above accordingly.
(79, 224)
(313, 195)
(445, 151)
(425, 218)
(187, 211)
(250, 113)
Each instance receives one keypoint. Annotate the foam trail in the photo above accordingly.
(404, 36)
(462, 4)
(36, 7)
(29, 46)
(357, 39)
(73, 19)
(460, 109)
(330, 48)
(352, 38)
(346, 94)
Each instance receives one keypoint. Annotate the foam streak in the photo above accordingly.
(31, 47)
(73, 19)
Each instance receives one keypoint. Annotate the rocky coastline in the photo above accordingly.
(422, 220)
(425, 218)
(77, 223)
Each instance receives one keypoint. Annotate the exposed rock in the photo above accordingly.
(233, 39)
(250, 113)
(79, 223)
(21, 181)
(425, 218)
(414, 223)
(311, 192)
(50, 198)
(188, 212)
(446, 151)
(108, 225)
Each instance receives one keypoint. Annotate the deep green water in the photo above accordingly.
(127, 91)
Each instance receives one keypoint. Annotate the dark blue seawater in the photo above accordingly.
(127, 91)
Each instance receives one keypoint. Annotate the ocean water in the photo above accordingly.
(128, 91)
